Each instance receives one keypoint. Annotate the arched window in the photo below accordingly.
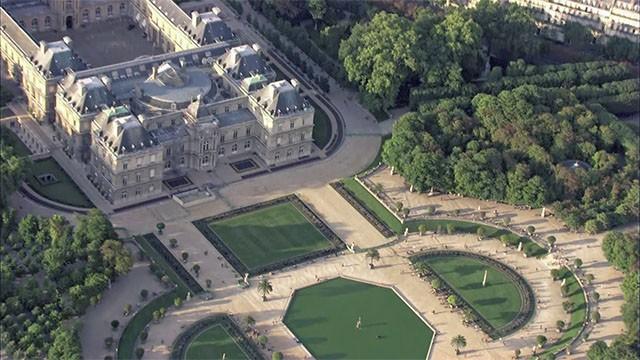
(122, 8)
(205, 146)
(47, 22)
(85, 16)
(110, 10)
(34, 24)
(98, 13)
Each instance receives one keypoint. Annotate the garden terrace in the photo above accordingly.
(502, 307)
(269, 236)
(324, 317)
(578, 314)
(63, 190)
(387, 223)
(169, 263)
(367, 205)
(212, 337)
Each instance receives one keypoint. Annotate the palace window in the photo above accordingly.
(247, 144)
(205, 146)
(138, 191)
(124, 180)
(205, 160)
(110, 10)
(151, 188)
(221, 151)
(34, 25)
(125, 166)
(152, 173)
(47, 23)
(292, 124)
(234, 148)
(248, 131)
(300, 149)
(98, 13)
(301, 136)
(235, 134)
(182, 160)
(122, 8)
(138, 177)
(289, 153)
(277, 156)
(85, 16)
(123, 195)
(167, 165)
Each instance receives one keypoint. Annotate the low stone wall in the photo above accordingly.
(203, 226)
(372, 218)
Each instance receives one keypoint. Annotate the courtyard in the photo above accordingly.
(346, 319)
(119, 42)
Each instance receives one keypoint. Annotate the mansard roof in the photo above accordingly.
(243, 62)
(281, 98)
(87, 95)
(56, 57)
(122, 132)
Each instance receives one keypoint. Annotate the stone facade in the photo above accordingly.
(137, 123)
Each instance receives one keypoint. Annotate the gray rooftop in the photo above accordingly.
(235, 117)
(281, 98)
(17, 33)
(55, 57)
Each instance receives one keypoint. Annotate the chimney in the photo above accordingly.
(216, 11)
(295, 84)
(195, 18)
(106, 81)
(256, 48)
(43, 46)
(67, 40)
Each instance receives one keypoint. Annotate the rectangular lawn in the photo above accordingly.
(269, 235)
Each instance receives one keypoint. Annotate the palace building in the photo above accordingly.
(201, 97)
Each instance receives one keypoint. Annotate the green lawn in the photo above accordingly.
(212, 343)
(65, 191)
(321, 126)
(269, 235)
(578, 315)
(498, 302)
(373, 205)
(323, 317)
(369, 201)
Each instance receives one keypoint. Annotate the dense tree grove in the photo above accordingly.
(13, 168)
(433, 49)
(520, 147)
(622, 250)
(50, 273)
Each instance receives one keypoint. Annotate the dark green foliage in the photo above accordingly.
(52, 273)
(510, 147)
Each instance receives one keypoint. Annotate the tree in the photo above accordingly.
(156, 315)
(551, 241)
(139, 353)
(568, 306)
(13, 169)
(262, 340)
(173, 243)
(621, 250)
(160, 226)
(560, 325)
(481, 232)
(458, 342)
(127, 309)
(177, 301)
(115, 324)
(399, 206)
(576, 34)
(276, 356)
(378, 56)
(185, 256)
(436, 284)
(422, 228)
(451, 229)
(541, 340)
(577, 263)
(196, 269)
(373, 255)
(117, 256)
(595, 316)
(143, 336)
(144, 293)
(453, 300)
(531, 229)
(65, 345)
(598, 351)
(317, 9)
(264, 288)
(421, 269)
(250, 321)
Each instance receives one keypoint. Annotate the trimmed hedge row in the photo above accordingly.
(371, 217)
(203, 226)
(524, 290)
(183, 274)
(182, 342)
